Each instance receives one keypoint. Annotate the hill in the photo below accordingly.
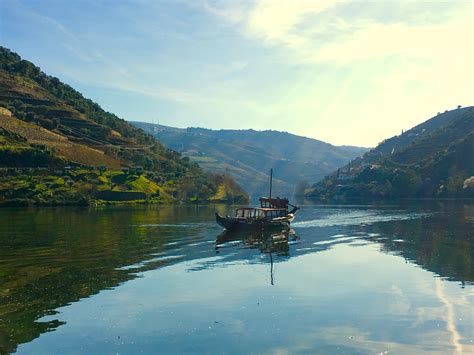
(248, 155)
(432, 160)
(57, 147)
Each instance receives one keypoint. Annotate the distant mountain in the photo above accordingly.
(57, 147)
(248, 155)
(433, 159)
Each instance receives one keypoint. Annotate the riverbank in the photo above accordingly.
(91, 187)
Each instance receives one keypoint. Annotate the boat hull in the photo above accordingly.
(231, 223)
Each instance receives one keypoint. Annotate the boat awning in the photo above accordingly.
(277, 202)
(260, 209)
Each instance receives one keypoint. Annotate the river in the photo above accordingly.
(158, 279)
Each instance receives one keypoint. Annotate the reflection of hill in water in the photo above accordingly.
(50, 258)
(437, 236)
(442, 243)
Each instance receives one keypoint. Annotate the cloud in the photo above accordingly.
(390, 61)
(377, 40)
(230, 11)
(327, 31)
(274, 20)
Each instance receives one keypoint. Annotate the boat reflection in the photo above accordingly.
(268, 242)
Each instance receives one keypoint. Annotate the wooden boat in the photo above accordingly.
(272, 213)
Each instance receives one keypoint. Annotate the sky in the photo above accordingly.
(345, 72)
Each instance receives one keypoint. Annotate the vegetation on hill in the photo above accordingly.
(432, 160)
(50, 134)
(248, 155)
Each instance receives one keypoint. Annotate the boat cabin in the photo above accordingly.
(260, 213)
(266, 202)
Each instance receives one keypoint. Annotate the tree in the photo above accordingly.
(102, 169)
(406, 183)
(454, 185)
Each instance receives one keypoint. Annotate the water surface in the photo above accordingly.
(345, 280)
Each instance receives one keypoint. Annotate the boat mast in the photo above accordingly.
(271, 180)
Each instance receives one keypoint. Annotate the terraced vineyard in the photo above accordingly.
(46, 124)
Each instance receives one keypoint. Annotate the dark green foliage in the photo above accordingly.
(28, 158)
(405, 183)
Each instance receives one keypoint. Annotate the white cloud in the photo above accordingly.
(275, 20)
(377, 40)
(317, 31)
(394, 65)
(229, 11)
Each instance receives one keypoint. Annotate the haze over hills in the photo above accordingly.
(433, 159)
(46, 126)
(248, 155)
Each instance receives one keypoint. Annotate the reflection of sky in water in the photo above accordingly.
(345, 217)
(324, 302)
(336, 290)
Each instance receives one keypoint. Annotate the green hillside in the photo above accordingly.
(432, 160)
(57, 147)
(248, 155)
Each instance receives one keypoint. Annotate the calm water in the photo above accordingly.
(345, 280)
